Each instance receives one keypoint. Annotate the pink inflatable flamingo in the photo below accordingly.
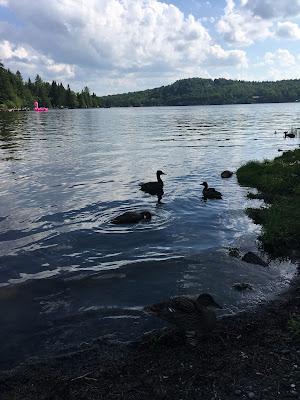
(37, 108)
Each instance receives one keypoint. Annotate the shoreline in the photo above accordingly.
(150, 106)
(253, 354)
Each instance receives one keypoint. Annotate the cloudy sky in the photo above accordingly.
(115, 46)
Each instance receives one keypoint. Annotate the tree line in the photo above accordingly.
(198, 91)
(16, 93)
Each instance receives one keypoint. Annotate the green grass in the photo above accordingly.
(278, 183)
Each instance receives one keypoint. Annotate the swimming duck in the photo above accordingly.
(290, 135)
(187, 313)
(132, 217)
(226, 174)
(210, 193)
(154, 187)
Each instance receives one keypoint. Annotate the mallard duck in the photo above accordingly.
(210, 193)
(154, 188)
(226, 174)
(132, 217)
(187, 313)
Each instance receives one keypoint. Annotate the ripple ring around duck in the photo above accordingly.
(161, 218)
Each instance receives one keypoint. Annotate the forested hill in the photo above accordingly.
(17, 94)
(197, 91)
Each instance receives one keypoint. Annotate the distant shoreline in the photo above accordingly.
(149, 106)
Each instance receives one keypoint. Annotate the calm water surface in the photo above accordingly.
(69, 276)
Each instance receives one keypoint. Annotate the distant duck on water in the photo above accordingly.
(192, 315)
(210, 193)
(132, 217)
(153, 187)
(289, 135)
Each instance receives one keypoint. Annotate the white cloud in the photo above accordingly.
(288, 30)
(8, 51)
(268, 9)
(241, 27)
(30, 61)
(281, 57)
(233, 57)
(247, 21)
(109, 38)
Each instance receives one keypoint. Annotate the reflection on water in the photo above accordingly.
(68, 275)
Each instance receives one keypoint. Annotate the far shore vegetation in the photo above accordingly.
(17, 94)
(278, 183)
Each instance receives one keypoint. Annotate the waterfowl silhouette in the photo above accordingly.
(226, 174)
(132, 217)
(188, 314)
(154, 188)
(210, 193)
(290, 135)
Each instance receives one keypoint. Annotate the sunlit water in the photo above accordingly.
(67, 275)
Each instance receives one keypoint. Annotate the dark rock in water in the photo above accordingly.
(280, 150)
(234, 252)
(240, 286)
(255, 196)
(252, 258)
(226, 174)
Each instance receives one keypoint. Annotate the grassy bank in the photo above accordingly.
(278, 183)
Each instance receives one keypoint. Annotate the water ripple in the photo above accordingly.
(66, 174)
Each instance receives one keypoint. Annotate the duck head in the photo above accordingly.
(206, 300)
(146, 215)
(205, 184)
(159, 173)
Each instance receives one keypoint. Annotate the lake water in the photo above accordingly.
(67, 275)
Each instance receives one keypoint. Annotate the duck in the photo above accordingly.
(210, 193)
(154, 188)
(226, 174)
(290, 135)
(189, 314)
(132, 217)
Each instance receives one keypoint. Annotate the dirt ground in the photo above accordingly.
(252, 355)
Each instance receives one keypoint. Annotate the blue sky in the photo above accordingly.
(115, 46)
